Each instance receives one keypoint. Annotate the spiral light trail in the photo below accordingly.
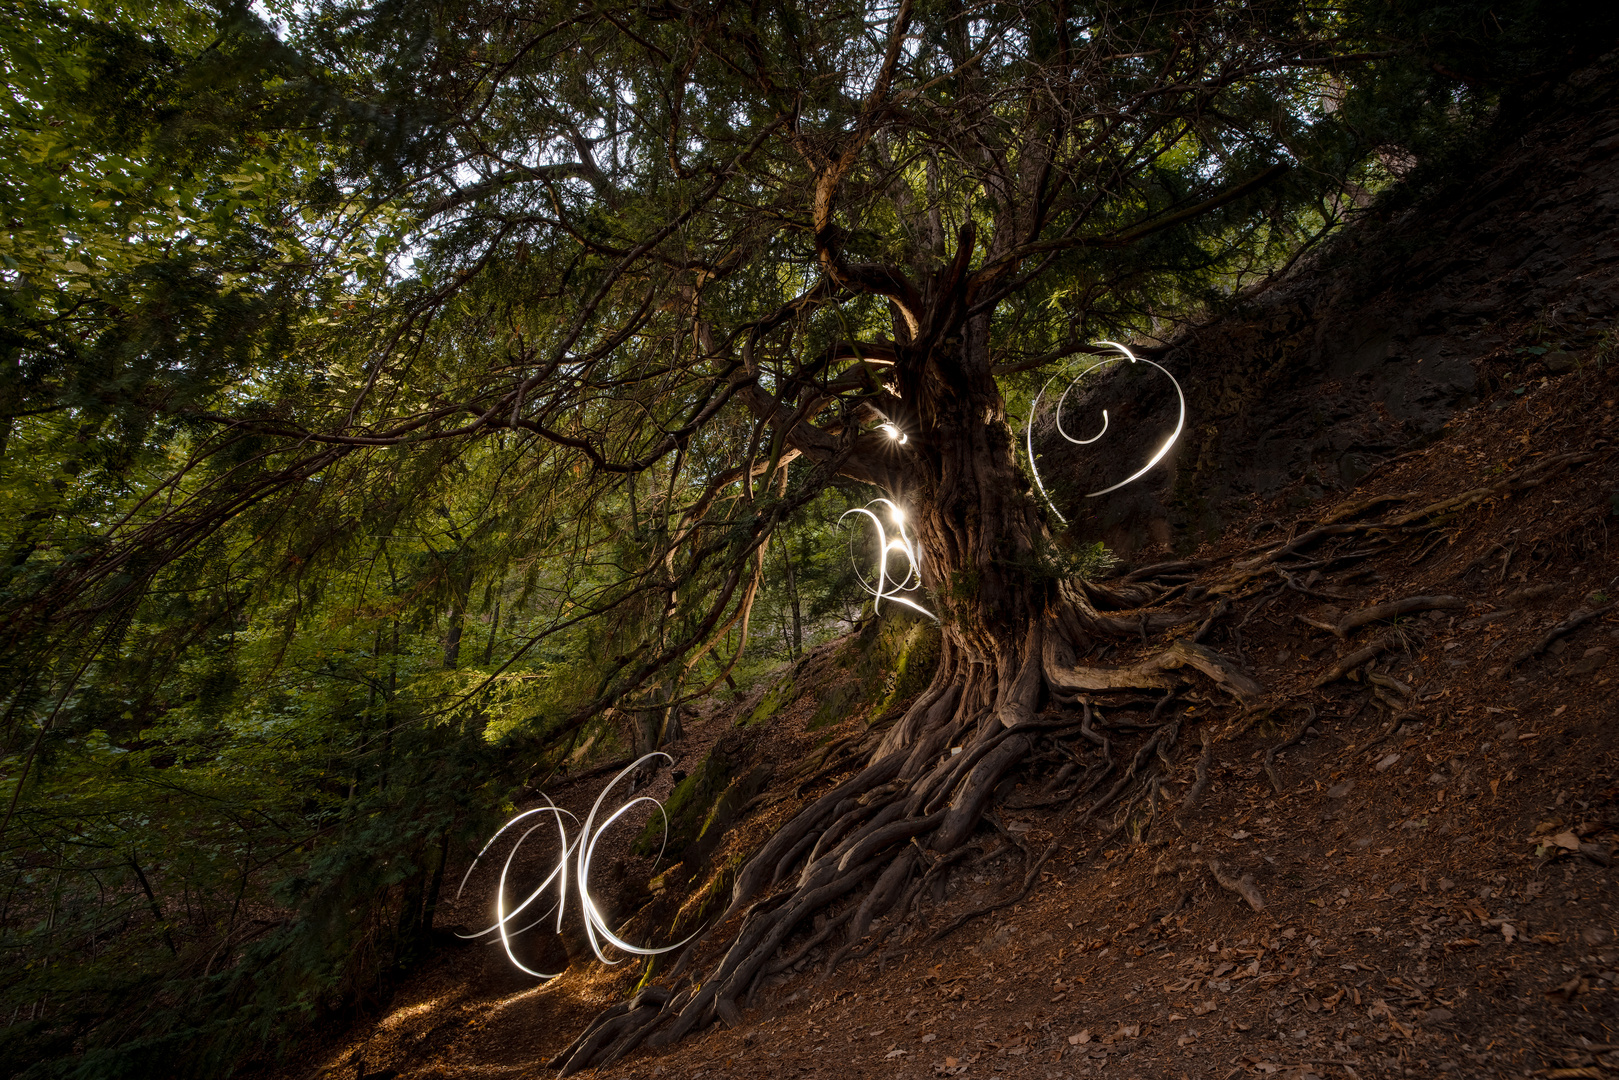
(1180, 424)
(888, 587)
(580, 849)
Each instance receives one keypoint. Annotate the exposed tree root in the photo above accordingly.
(1243, 886)
(1293, 740)
(1575, 620)
(1354, 660)
(1200, 784)
(1395, 608)
(877, 840)
(867, 852)
(1151, 672)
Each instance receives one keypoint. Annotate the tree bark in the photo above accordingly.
(1013, 632)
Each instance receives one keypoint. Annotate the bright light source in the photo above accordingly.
(581, 849)
(1126, 354)
(888, 587)
(894, 433)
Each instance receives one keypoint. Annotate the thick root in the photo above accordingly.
(915, 804)
(1243, 886)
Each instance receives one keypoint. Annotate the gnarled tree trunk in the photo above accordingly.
(1011, 633)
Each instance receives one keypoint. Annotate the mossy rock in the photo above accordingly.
(836, 703)
(774, 700)
(704, 805)
(688, 806)
(893, 658)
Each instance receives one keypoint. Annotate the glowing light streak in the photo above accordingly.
(894, 433)
(580, 850)
(888, 587)
(1180, 424)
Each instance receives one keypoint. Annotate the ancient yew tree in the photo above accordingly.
(578, 303)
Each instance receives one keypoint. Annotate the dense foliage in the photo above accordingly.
(377, 431)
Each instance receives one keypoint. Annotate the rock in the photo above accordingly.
(1437, 1016)
(1559, 362)
(1526, 593)
(1593, 660)
(998, 938)
(1388, 763)
(1596, 935)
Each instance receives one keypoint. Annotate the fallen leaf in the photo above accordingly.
(1568, 989)
(1567, 841)
(894, 1054)
(950, 1063)
(929, 1037)
(1080, 1039)
(1130, 1031)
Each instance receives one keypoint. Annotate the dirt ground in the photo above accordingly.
(1429, 866)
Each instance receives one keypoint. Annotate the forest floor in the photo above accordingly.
(1433, 856)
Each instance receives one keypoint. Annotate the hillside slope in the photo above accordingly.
(1391, 857)
(1429, 837)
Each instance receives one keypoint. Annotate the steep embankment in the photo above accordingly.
(1393, 859)
(1493, 278)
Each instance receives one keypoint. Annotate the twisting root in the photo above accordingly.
(913, 807)
(1354, 660)
(1293, 740)
(1568, 625)
(1395, 608)
(1202, 781)
(1243, 886)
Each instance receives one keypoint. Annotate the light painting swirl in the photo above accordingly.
(888, 587)
(581, 849)
(1180, 424)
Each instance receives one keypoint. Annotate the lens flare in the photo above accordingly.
(1180, 424)
(888, 587)
(580, 849)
